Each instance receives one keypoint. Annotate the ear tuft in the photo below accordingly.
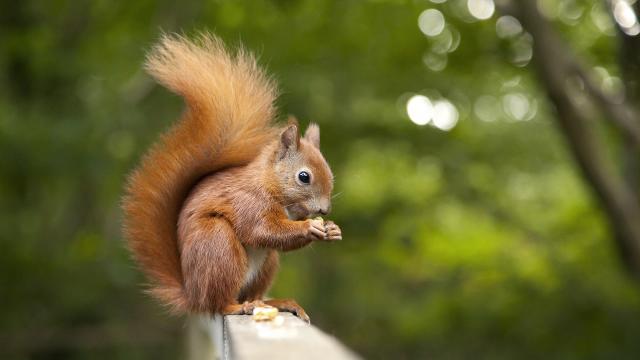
(292, 120)
(312, 134)
(289, 140)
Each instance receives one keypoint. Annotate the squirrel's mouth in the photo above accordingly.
(298, 212)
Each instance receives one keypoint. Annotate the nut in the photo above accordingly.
(264, 313)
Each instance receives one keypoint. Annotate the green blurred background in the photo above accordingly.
(473, 236)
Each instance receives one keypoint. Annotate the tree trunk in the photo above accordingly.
(555, 64)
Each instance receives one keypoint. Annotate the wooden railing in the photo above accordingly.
(238, 337)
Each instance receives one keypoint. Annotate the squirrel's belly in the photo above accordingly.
(255, 259)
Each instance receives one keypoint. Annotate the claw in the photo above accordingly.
(290, 306)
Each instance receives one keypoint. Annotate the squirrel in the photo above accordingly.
(225, 188)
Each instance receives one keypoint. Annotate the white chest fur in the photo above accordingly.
(255, 259)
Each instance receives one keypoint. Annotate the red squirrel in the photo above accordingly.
(226, 188)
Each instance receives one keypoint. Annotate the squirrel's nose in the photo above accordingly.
(324, 211)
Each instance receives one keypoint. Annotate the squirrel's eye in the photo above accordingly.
(304, 177)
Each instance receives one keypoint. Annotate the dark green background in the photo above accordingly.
(480, 242)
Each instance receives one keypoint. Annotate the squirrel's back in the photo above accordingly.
(229, 119)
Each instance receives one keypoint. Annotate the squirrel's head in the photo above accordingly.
(304, 176)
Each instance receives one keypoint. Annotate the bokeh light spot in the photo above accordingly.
(431, 22)
(625, 17)
(508, 27)
(522, 48)
(434, 61)
(420, 109)
(481, 9)
(602, 21)
(445, 115)
(517, 106)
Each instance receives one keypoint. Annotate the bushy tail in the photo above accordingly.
(228, 120)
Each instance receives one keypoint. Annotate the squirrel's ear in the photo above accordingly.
(289, 140)
(312, 135)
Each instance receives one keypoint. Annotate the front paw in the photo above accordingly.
(332, 231)
(315, 229)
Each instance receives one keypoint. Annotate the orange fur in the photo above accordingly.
(220, 185)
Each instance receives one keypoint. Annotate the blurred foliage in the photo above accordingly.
(482, 241)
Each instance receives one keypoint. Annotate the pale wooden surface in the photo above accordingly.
(293, 339)
(238, 337)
